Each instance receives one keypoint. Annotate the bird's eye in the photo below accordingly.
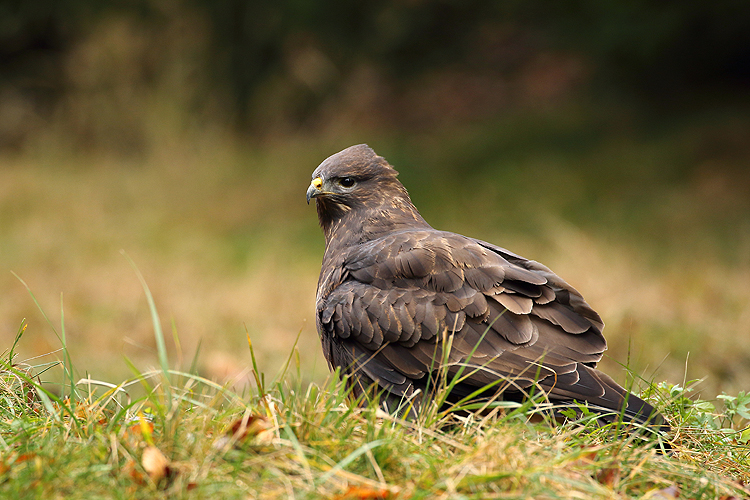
(347, 182)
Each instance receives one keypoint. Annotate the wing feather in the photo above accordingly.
(511, 319)
(516, 304)
(563, 316)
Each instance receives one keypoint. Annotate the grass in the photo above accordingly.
(167, 433)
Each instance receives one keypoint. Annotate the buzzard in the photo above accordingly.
(401, 306)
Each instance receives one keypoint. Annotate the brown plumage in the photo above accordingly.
(392, 289)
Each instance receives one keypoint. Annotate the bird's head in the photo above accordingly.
(354, 176)
(356, 183)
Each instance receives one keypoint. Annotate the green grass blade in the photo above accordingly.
(349, 459)
(161, 346)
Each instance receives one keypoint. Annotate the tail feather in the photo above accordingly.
(601, 391)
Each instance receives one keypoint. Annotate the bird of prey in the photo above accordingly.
(400, 304)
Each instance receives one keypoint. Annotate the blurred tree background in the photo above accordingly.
(609, 140)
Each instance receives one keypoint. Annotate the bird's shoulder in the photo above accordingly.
(440, 261)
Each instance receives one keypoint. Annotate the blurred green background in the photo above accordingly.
(608, 140)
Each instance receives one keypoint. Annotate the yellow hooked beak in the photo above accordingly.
(315, 189)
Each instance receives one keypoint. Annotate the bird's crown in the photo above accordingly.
(356, 161)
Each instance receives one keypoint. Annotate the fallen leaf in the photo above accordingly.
(131, 470)
(248, 426)
(363, 493)
(608, 476)
(24, 457)
(142, 430)
(137, 429)
(585, 459)
(589, 456)
(155, 463)
(251, 425)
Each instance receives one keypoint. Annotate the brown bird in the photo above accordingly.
(401, 304)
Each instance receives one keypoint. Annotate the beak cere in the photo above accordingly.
(314, 189)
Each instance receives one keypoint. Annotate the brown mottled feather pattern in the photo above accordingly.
(391, 285)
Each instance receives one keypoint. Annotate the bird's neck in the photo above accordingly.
(343, 228)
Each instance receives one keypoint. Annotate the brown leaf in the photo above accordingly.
(363, 493)
(248, 426)
(608, 476)
(140, 431)
(131, 470)
(155, 463)
(589, 456)
(24, 457)
(585, 459)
